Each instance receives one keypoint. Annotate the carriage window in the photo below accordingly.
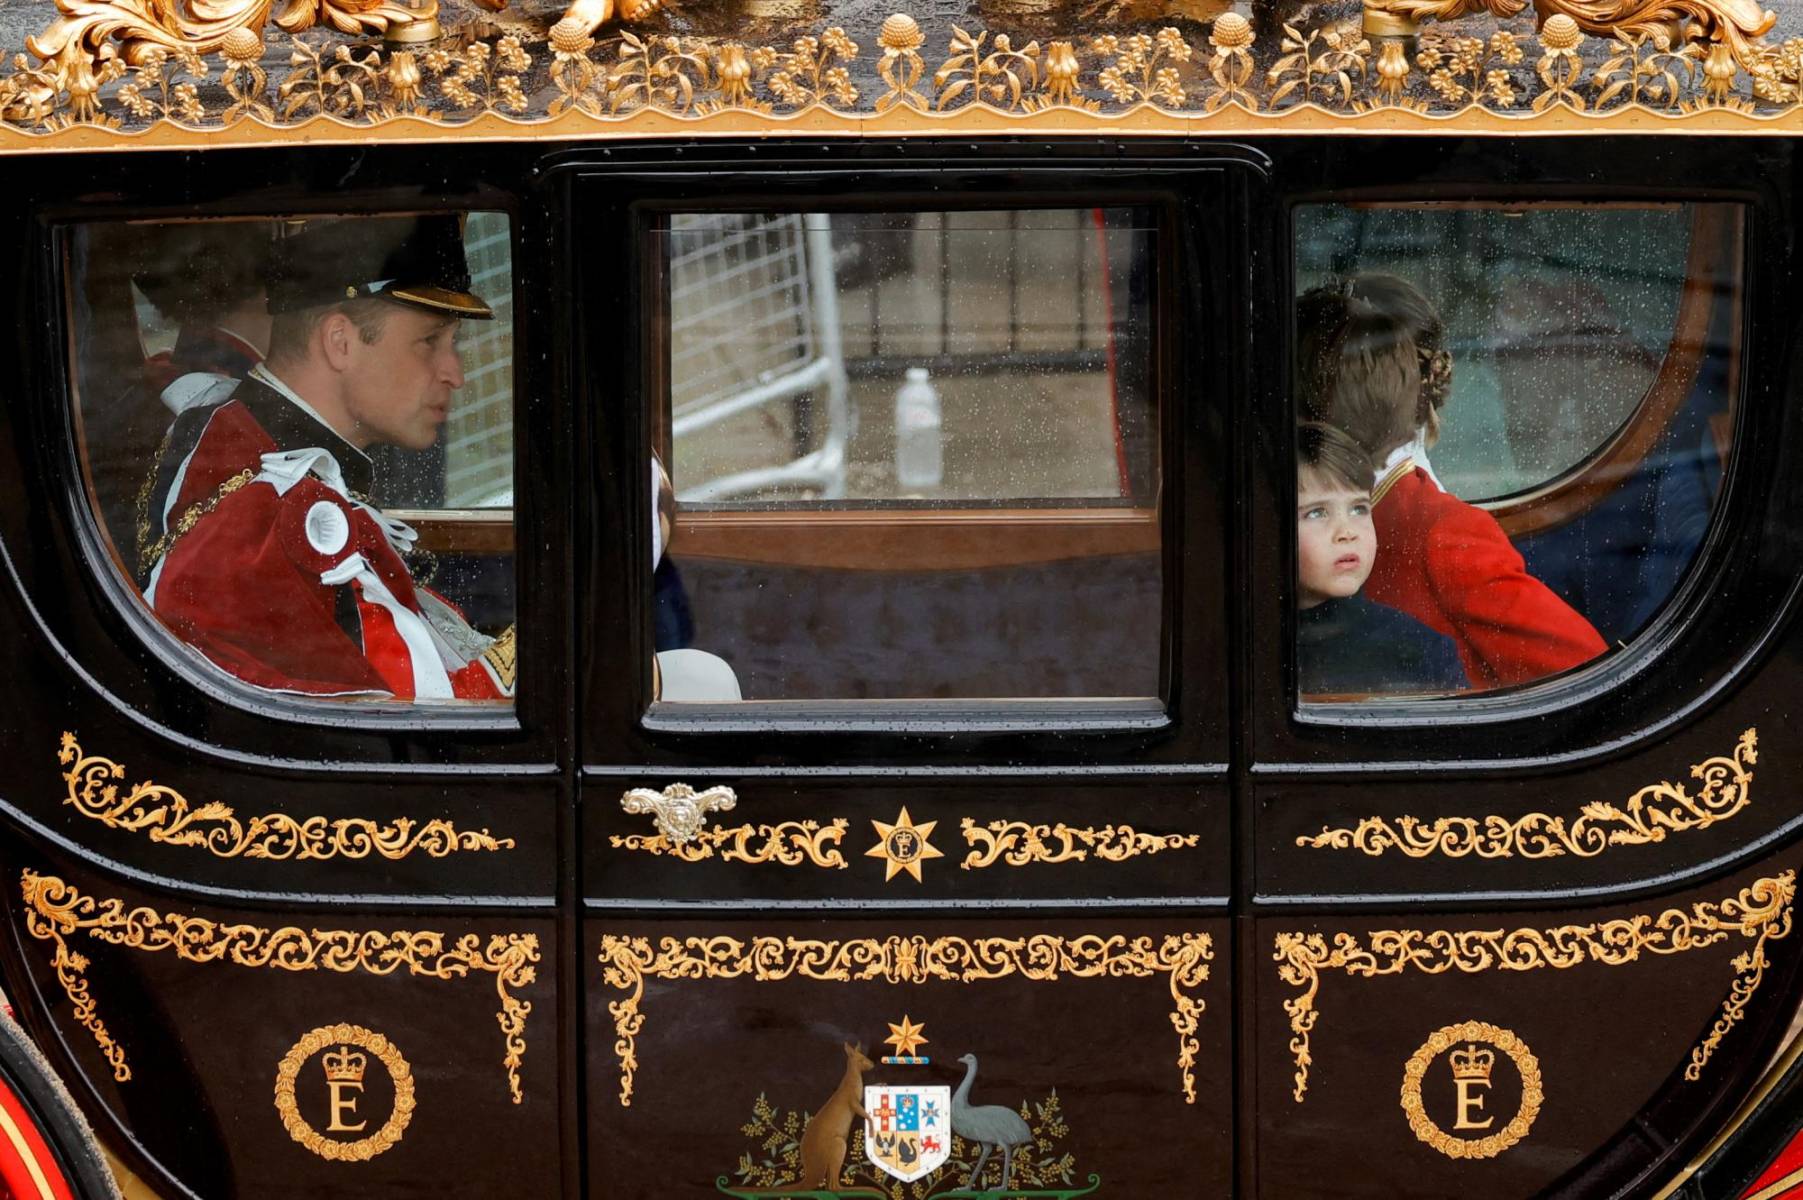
(298, 440)
(1514, 422)
(909, 455)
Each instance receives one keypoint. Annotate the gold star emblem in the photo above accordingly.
(906, 1038)
(904, 844)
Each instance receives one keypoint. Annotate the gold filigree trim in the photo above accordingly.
(163, 815)
(628, 961)
(1577, 73)
(363, 1149)
(789, 843)
(55, 911)
(1018, 843)
(1762, 911)
(1532, 1093)
(1646, 817)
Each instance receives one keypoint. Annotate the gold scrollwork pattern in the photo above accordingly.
(1658, 63)
(363, 1149)
(1018, 843)
(1644, 818)
(789, 843)
(628, 961)
(1533, 1094)
(1761, 911)
(164, 815)
(55, 911)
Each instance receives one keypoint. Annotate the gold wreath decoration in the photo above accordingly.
(363, 1149)
(1532, 1096)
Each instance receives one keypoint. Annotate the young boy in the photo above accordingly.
(1373, 363)
(1347, 644)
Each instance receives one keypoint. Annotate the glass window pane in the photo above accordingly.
(298, 440)
(1515, 422)
(911, 455)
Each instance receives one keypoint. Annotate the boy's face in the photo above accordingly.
(1336, 542)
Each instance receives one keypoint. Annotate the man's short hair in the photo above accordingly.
(290, 332)
(1333, 455)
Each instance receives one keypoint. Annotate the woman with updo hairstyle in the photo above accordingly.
(1372, 360)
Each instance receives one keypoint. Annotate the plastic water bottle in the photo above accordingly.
(919, 445)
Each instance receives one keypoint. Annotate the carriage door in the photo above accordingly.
(905, 867)
(1516, 932)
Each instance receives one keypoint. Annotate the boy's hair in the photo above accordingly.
(1372, 360)
(1332, 454)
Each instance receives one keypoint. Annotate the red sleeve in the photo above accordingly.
(1510, 627)
(231, 588)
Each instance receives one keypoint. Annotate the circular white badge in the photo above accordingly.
(328, 529)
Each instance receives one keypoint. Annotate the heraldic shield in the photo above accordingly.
(908, 1132)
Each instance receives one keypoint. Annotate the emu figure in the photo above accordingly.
(991, 1125)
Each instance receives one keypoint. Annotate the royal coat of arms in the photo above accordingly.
(908, 1130)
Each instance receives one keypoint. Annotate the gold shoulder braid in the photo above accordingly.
(190, 518)
(500, 657)
(144, 490)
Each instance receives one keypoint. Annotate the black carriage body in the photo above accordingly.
(1234, 1015)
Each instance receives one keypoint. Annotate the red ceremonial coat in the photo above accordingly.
(1449, 565)
(274, 572)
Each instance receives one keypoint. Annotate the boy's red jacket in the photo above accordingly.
(1449, 565)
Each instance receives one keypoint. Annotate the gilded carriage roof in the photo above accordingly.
(178, 73)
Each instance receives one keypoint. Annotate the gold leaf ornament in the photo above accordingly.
(1019, 843)
(164, 815)
(627, 962)
(56, 911)
(789, 843)
(1761, 912)
(1646, 817)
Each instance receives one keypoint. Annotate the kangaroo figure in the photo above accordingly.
(827, 1137)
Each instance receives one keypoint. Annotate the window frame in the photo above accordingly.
(1564, 715)
(241, 718)
(1182, 724)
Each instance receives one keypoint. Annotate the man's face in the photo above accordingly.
(1336, 541)
(398, 389)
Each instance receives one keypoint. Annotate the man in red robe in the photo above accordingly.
(264, 552)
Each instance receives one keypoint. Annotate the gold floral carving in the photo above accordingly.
(1533, 1094)
(363, 1149)
(163, 815)
(628, 961)
(118, 66)
(1018, 843)
(1761, 911)
(55, 911)
(901, 66)
(790, 843)
(1646, 817)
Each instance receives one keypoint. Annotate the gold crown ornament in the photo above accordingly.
(1473, 1063)
(345, 1066)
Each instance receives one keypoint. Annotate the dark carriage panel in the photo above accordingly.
(1714, 795)
(1557, 1051)
(715, 1038)
(255, 1052)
